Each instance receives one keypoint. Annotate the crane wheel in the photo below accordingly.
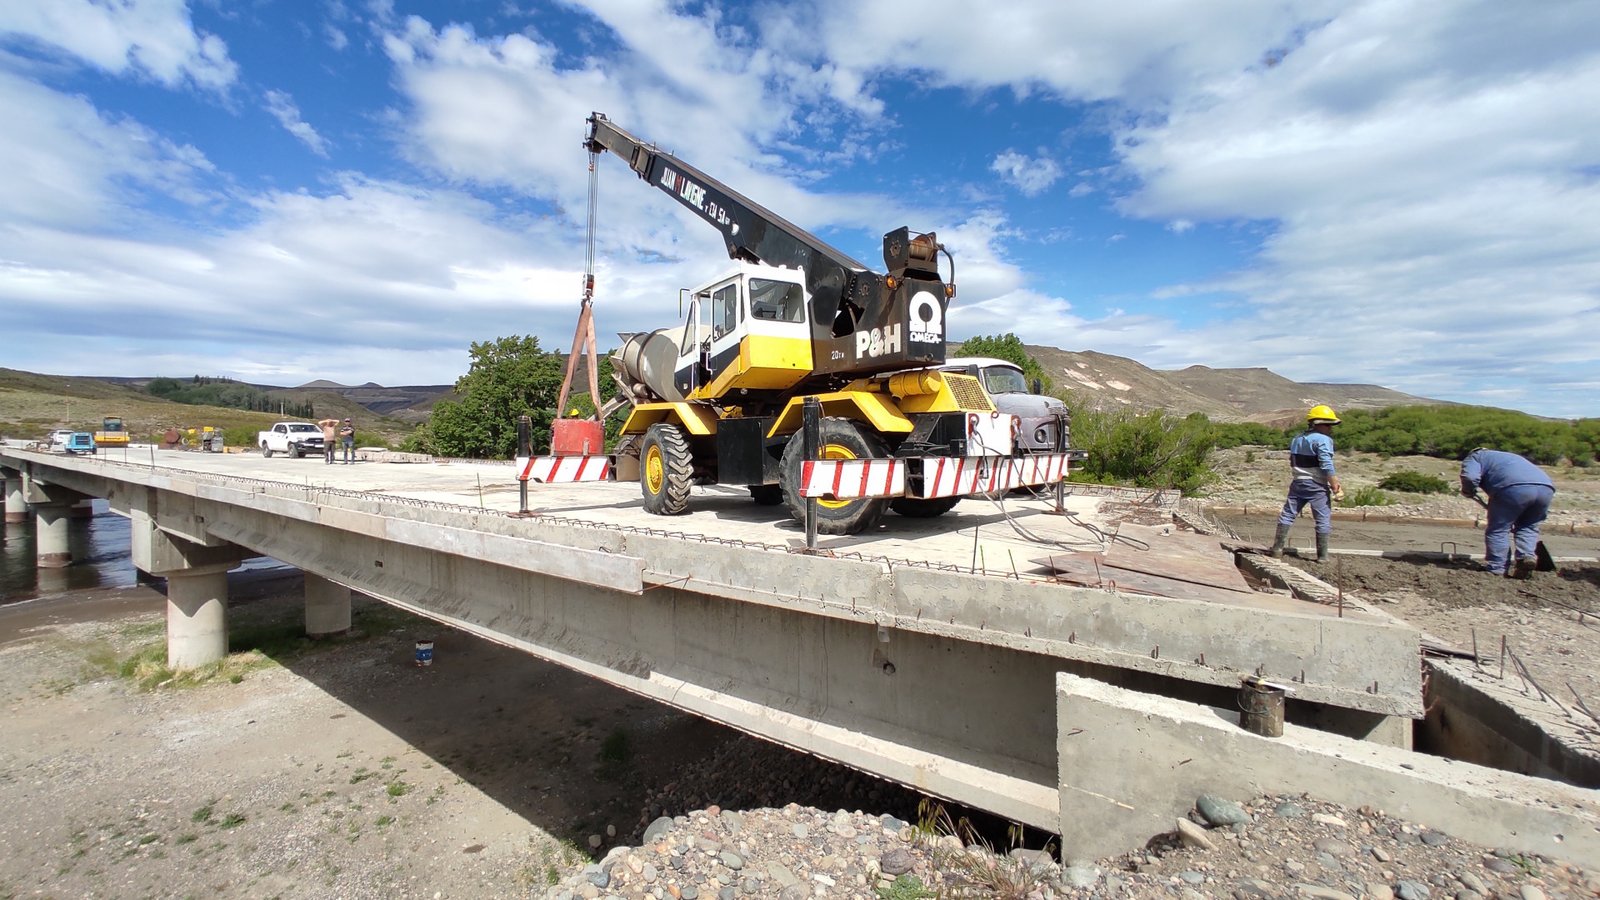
(923, 508)
(666, 470)
(839, 439)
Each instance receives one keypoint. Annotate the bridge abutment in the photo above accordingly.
(327, 607)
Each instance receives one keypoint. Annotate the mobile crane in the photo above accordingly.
(719, 398)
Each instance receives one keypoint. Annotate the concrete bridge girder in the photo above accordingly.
(935, 678)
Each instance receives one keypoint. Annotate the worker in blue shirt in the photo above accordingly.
(1519, 499)
(1313, 480)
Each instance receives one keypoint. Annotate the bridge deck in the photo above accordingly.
(999, 540)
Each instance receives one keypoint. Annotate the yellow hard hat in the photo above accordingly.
(1322, 413)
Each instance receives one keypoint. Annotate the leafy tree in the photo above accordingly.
(1009, 348)
(509, 377)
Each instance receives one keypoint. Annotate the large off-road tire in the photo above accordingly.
(666, 470)
(839, 439)
(766, 494)
(266, 451)
(923, 508)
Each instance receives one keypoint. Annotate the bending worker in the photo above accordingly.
(1313, 481)
(1519, 499)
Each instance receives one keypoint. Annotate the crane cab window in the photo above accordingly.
(725, 311)
(780, 301)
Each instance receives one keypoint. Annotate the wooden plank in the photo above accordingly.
(1194, 558)
(1080, 568)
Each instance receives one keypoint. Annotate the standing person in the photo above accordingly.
(1519, 499)
(1313, 480)
(347, 437)
(330, 437)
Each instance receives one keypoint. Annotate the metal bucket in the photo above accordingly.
(424, 653)
(1262, 708)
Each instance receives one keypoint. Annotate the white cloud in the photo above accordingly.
(67, 165)
(1429, 193)
(153, 38)
(1079, 51)
(1032, 175)
(283, 108)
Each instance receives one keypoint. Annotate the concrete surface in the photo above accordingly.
(1132, 763)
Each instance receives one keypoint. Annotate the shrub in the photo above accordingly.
(1154, 449)
(1366, 496)
(1237, 434)
(1415, 483)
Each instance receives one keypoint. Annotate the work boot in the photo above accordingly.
(1322, 548)
(1280, 542)
(1523, 569)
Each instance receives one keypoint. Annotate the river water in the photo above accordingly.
(100, 558)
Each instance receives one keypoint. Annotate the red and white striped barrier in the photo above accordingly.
(563, 469)
(942, 476)
(850, 479)
(958, 476)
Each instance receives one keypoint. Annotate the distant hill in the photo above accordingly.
(1101, 380)
(1258, 395)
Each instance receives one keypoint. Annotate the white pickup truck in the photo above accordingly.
(294, 438)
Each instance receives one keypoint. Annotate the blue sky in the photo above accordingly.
(1400, 193)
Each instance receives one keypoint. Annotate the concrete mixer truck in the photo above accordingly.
(718, 399)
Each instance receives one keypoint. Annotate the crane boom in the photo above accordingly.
(861, 321)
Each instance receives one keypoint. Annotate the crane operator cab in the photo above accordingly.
(746, 331)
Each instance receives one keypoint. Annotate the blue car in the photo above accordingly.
(80, 442)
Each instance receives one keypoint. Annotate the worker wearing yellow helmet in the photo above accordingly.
(1312, 480)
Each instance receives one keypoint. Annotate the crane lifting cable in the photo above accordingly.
(567, 435)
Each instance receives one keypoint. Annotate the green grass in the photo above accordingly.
(233, 820)
(204, 813)
(398, 788)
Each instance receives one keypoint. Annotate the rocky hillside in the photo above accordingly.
(1105, 381)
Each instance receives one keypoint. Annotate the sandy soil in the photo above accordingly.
(338, 769)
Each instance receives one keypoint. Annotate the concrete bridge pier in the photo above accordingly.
(327, 607)
(197, 616)
(197, 589)
(52, 549)
(52, 507)
(16, 506)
